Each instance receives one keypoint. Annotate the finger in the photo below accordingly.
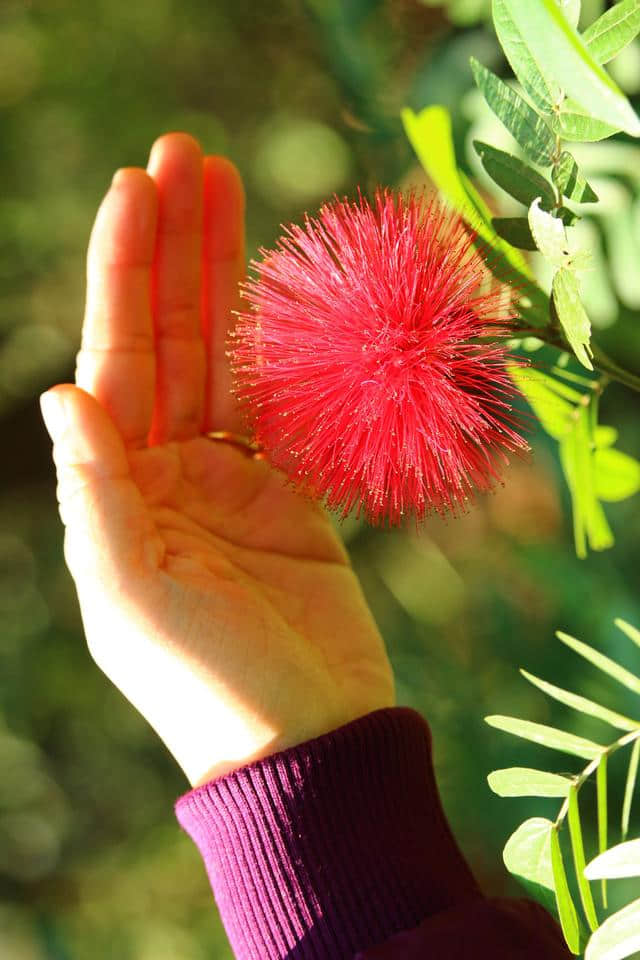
(223, 266)
(116, 362)
(108, 530)
(175, 164)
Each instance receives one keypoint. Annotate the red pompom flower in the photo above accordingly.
(369, 360)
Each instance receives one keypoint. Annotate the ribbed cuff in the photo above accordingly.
(332, 846)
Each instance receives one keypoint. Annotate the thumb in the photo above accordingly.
(108, 528)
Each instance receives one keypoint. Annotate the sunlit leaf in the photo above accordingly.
(575, 449)
(574, 122)
(527, 852)
(547, 736)
(525, 782)
(566, 908)
(571, 11)
(577, 849)
(601, 796)
(605, 436)
(544, 92)
(622, 860)
(516, 231)
(561, 55)
(549, 234)
(632, 632)
(515, 176)
(629, 787)
(611, 32)
(582, 704)
(602, 662)
(429, 132)
(571, 314)
(554, 411)
(616, 475)
(570, 181)
(618, 937)
(521, 120)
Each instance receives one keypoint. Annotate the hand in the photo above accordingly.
(215, 597)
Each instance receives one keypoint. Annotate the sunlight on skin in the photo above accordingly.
(216, 598)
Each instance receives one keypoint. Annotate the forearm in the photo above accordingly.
(332, 848)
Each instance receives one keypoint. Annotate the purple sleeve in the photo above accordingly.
(338, 848)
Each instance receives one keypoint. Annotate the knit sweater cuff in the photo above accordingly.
(332, 846)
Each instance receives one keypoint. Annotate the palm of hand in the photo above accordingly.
(207, 584)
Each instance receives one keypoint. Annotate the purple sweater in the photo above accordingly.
(338, 849)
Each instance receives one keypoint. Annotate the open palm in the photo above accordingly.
(216, 598)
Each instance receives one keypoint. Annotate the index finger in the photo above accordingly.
(116, 362)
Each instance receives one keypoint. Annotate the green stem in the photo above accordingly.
(611, 368)
(593, 766)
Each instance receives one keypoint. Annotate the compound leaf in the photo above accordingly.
(562, 55)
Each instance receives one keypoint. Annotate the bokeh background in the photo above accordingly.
(305, 98)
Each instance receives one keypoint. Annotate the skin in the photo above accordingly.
(216, 598)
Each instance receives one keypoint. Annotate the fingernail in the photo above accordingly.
(52, 408)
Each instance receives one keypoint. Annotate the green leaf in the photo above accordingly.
(571, 314)
(549, 235)
(571, 10)
(577, 849)
(544, 92)
(521, 120)
(632, 632)
(630, 786)
(525, 782)
(574, 122)
(561, 55)
(429, 132)
(566, 908)
(554, 412)
(582, 704)
(611, 32)
(622, 860)
(516, 231)
(616, 475)
(547, 736)
(515, 176)
(589, 521)
(602, 662)
(618, 937)
(570, 182)
(601, 794)
(605, 436)
(527, 853)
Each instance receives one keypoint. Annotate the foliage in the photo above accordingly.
(565, 94)
(534, 852)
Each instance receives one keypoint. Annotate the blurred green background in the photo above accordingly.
(304, 97)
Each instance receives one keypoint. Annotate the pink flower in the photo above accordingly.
(369, 362)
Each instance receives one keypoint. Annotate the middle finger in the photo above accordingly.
(175, 163)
